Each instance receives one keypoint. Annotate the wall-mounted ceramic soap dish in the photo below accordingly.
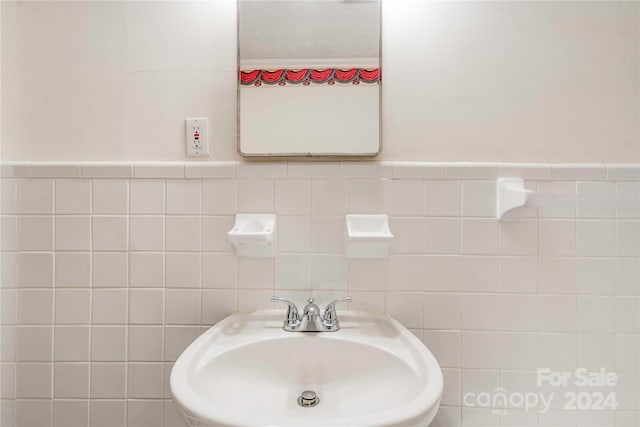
(368, 236)
(254, 235)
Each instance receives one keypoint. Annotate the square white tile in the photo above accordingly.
(442, 236)
(73, 196)
(480, 273)
(71, 413)
(35, 233)
(183, 197)
(556, 275)
(255, 196)
(519, 238)
(441, 311)
(34, 343)
(595, 276)
(557, 313)
(329, 197)
(108, 343)
(109, 306)
(628, 353)
(406, 308)
(33, 380)
(217, 304)
(72, 306)
(146, 233)
(219, 197)
(71, 343)
(595, 238)
(33, 412)
(481, 312)
(557, 351)
(596, 351)
(405, 272)
(627, 238)
(328, 272)
(557, 237)
(479, 350)
(328, 235)
(144, 412)
(404, 198)
(71, 381)
(144, 380)
(443, 198)
(145, 343)
(182, 307)
(146, 306)
(559, 203)
(519, 312)
(627, 276)
(294, 233)
(479, 236)
(587, 207)
(214, 233)
(445, 346)
(518, 274)
(518, 351)
(367, 274)
(35, 196)
(9, 233)
(147, 197)
(110, 196)
(35, 306)
(219, 270)
(293, 271)
(73, 233)
(8, 199)
(479, 198)
(108, 381)
(177, 339)
(443, 273)
(255, 273)
(109, 233)
(110, 270)
(408, 235)
(183, 233)
(293, 197)
(73, 270)
(627, 315)
(182, 270)
(366, 196)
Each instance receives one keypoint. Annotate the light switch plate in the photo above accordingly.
(197, 137)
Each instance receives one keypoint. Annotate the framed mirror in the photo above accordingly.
(309, 81)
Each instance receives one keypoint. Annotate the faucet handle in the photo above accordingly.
(293, 316)
(330, 316)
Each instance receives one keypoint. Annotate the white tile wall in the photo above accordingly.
(107, 278)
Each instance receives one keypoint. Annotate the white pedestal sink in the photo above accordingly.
(246, 371)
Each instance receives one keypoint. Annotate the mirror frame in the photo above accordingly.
(302, 155)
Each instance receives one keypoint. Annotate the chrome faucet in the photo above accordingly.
(311, 320)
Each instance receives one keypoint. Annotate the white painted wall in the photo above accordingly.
(477, 81)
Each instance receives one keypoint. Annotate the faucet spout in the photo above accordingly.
(312, 319)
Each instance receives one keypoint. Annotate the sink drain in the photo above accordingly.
(308, 399)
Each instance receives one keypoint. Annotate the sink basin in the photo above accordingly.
(246, 371)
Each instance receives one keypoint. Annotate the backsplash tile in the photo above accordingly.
(107, 278)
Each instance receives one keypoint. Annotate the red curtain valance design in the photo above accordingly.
(307, 76)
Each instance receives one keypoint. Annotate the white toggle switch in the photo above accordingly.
(197, 138)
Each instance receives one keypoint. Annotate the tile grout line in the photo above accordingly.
(91, 296)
